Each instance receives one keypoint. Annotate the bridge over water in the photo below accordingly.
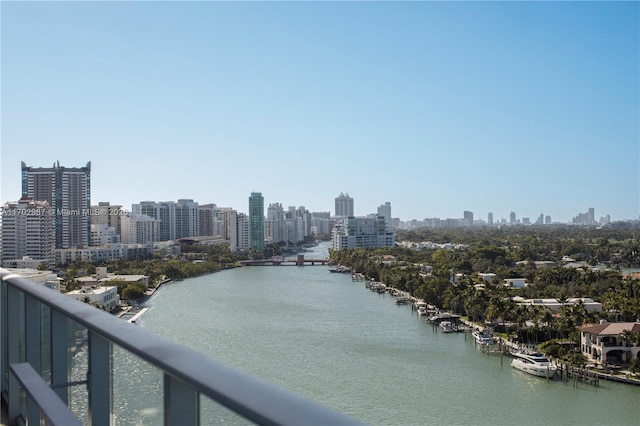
(279, 261)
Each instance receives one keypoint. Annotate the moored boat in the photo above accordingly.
(481, 337)
(447, 327)
(533, 363)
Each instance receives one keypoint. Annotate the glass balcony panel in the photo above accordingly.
(78, 365)
(45, 342)
(212, 413)
(137, 390)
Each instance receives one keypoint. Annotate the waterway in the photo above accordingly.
(329, 339)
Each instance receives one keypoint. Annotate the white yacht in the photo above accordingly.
(481, 337)
(447, 327)
(533, 363)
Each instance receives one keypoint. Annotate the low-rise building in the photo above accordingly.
(606, 343)
(555, 305)
(515, 282)
(101, 296)
(486, 276)
(102, 277)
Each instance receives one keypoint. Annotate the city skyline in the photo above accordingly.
(343, 206)
(437, 108)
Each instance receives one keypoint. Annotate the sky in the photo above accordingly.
(434, 107)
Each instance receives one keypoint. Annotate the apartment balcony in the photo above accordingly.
(42, 332)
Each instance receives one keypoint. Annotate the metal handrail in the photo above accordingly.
(246, 395)
(52, 408)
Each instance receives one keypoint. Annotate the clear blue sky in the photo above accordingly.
(435, 107)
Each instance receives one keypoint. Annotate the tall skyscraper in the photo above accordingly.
(344, 205)
(68, 191)
(206, 218)
(276, 231)
(256, 223)
(490, 219)
(468, 218)
(385, 211)
(512, 218)
(186, 219)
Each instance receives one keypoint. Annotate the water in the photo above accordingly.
(327, 338)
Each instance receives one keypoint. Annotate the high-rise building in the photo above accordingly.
(28, 230)
(165, 212)
(385, 211)
(256, 223)
(275, 226)
(362, 232)
(490, 219)
(139, 228)
(344, 205)
(591, 217)
(512, 218)
(241, 235)
(106, 214)
(468, 217)
(68, 191)
(206, 219)
(186, 219)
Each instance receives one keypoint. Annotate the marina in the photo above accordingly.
(327, 338)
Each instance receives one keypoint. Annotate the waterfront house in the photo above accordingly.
(106, 296)
(488, 276)
(606, 342)
(515, 282)
(555, 305)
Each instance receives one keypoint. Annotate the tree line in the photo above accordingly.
(510, 252)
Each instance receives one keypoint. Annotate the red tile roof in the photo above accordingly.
(610, 328)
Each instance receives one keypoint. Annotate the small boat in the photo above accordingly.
(447, 327)
(402, 300)
(533, 363)
(481, 337)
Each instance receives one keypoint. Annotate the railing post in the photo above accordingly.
(33, 342)
(15, 312)
(59, 355)
(99, 380)
(4, 365)
(181, 403)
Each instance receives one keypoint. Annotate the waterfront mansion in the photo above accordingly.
(608, 343)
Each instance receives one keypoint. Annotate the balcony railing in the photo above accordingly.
(41, 330)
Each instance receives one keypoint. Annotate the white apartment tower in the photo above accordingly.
(106, 214)
(275, 226)
(206, 219)
(165, 212)
(137, 228)
(186, 219)
(362, 232)
(241, 236)
(344, 205)
(28, 230)
(385, 211)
